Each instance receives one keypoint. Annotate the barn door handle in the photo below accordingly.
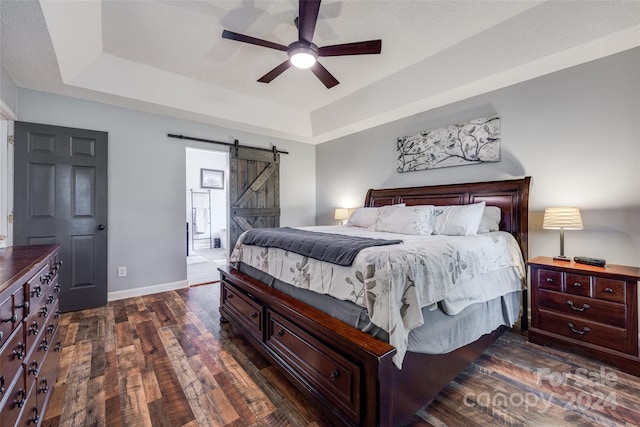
(100, 227)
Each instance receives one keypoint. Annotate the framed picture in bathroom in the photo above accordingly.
(211, 178)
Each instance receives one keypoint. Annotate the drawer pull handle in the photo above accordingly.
(584, 306)
(57, 314)
(549, 280)
(333, 375)
(43, 311)
(280, 332)
(254, 315)
(36, 292)
(24, 305)
(44, 345)
(34, 419)
(50, 299)
(2, 390)
(58, 347)
(33, 329)
(1, 335)
(51, 328)
(582, 332)
(229, 296)
(577, 285)
(608, 290)
(44, 386)
(33, 369)
(57, 288)
(20, 398)
(12, 319)
(18, 351)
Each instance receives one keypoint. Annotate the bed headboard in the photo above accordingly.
(511, 196)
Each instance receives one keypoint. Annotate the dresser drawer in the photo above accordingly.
(584, 330)
(578, 284)
(7, 319)
(244, 309)
(48, 372)
(611, 290)
(12, 355)
(15, 400)
(586, 308)
(550, 279)
(317, 364)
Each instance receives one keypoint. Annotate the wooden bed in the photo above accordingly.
(347, 371)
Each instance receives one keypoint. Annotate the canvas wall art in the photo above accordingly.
(472, 142)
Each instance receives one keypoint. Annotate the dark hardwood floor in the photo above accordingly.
(165, 360)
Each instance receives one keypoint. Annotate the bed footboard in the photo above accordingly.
(350, 373)
(347, 371)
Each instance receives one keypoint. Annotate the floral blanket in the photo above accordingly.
(394, 282)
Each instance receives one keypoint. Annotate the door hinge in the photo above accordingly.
(10, 139)
(10, 218)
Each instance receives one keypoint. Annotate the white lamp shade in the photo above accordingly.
(562, 218)
(341, 213)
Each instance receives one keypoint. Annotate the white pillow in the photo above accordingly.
(363, 217)
(459, 220)
(416, 220)
(490, 219)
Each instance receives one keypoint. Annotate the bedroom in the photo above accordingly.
(546, 123)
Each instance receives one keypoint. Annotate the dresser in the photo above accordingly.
(29, 335)
(586, 309)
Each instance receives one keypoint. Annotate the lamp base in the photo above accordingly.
(561, 258)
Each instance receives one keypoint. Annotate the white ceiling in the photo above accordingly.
(168, 57)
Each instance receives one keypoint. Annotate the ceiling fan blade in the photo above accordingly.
(324, 75)
(252, 40)
(275, 72)
(370, 47)
(308, 16)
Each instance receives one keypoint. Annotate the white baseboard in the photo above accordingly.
(147, 290)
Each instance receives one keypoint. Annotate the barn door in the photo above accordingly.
(254, 190)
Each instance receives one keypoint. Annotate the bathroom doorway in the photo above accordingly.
(206, 220)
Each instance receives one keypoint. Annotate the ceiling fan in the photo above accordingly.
(303, 53)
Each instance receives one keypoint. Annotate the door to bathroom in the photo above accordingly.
(206, 214)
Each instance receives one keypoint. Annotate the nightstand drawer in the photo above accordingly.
(586, 308)
(610, 290)
(584, 330)
(550, 279)
(578, 284)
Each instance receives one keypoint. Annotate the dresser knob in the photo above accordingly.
(608, 290)
(577, 285)
(549, 280)
(582, 332)
(584, 306)
(18, 351)
(254, 315)
(333, 375)
(44, 386)
(280, 332)
(33, 369)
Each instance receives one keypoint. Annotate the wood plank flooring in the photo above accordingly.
(165, 360)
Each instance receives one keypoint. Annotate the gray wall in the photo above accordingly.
(576, 132)
(147, 181)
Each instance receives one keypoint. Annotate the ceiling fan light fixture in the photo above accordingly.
(303, 56)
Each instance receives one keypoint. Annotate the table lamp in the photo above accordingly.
(562, 218)
(341, 214)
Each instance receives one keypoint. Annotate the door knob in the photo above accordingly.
(100, 227)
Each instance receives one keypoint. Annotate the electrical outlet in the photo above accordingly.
(122, 271)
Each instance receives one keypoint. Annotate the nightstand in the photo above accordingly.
(586, 309)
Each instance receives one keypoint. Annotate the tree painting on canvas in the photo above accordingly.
(472, 142)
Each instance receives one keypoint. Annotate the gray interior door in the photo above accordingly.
(254, 190)
(60, 196)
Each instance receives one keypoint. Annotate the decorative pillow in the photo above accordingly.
(415, 220)
(490, 219)
(365, 217)
(459, 220)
